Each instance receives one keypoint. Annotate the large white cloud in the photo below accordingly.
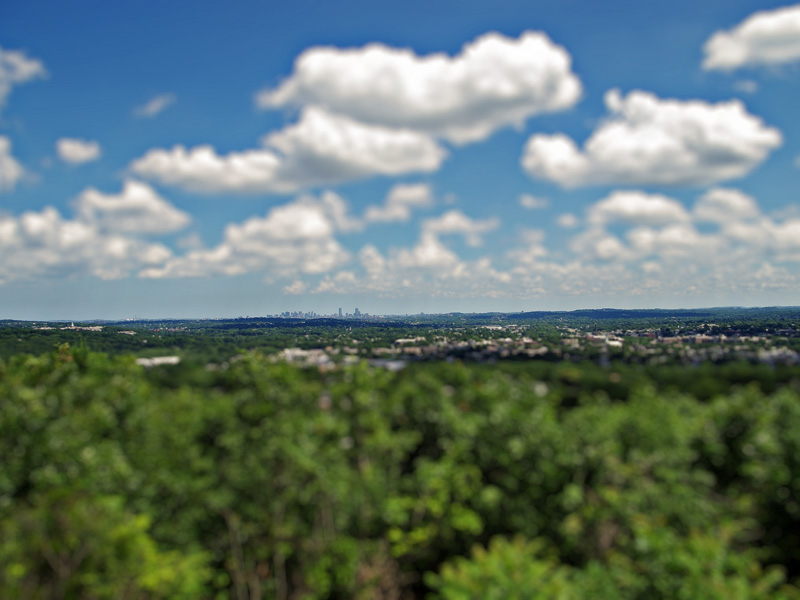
(17, 68)
(379, 111)
(10, 170)
(201, 169)
(330, 147)
(764, 38)
(292, 239)
(494, 82)
(319, 149)
(649, 140)
(136, 209)
(42, 244)
(77, 151)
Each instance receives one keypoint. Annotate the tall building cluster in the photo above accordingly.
(299, 314)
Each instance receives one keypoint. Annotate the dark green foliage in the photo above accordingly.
(516, 480)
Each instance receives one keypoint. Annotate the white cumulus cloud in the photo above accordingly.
(649, 140)
(426, 268)
(637, 208)
(77, 151)
(662, 232)
(428, 253)
(770, 37)
(136, 209)
(319, 149)
(10, 170)
(495, 81)
(292, 239)
(101, 240)
(43, 244)
(723, 205)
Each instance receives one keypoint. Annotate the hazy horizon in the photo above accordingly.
(348, 311)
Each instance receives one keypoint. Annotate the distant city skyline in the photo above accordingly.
(192, 160)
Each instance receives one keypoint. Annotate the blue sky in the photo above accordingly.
(180, 159)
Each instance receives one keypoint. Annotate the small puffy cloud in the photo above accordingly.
(428, 253)
(154, 106)
(637, 208)
(494, 82)
(427, 267)
(677, 240)
(596, 243)
(76, 151)
(295, 288)
(137, 209)
(401, 200)
(319, 149)
(797, 162)
(16, 68)
(533, 249)
(721, 205)
(769, 37)
(649, 140)
(292, 239)
(10, 170)
(456, 222)
(42, 244)
(533, 202)
(567, 221)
